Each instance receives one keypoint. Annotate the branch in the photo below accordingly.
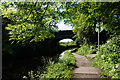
(32, 10)
(44, 11)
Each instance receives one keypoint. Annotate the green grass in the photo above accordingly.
(56, 70)
(72, 43)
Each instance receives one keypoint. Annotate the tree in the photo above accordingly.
(84, 16)
(36, 21)
(32, 21)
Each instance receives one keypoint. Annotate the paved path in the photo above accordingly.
(84, 67)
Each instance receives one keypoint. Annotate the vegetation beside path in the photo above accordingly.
(62, 68)
(108, 58)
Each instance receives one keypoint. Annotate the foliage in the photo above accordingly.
(67, 44)
(5, 37)
(32, 21)
(108, 58)
(86, 49)
(56, 70)
(85, 15)
(35, 21)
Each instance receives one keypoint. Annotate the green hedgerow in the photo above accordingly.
(108, 58)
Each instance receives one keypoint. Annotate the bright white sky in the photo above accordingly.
(62, 26)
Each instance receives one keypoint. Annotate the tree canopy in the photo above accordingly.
(85, 15)
(33, 21)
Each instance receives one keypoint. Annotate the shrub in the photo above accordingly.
(59, 70)
(86, 49)
(108, 57)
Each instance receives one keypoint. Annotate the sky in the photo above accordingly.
(62, 26)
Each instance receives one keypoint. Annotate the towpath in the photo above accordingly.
(84, 67)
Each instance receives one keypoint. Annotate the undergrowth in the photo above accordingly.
(108, 58)
(86, 49)
(62, 69)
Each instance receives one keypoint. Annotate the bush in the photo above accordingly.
(60, 69)
(86, 49)
(108, 58)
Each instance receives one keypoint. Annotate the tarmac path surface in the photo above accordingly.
(84, 67)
